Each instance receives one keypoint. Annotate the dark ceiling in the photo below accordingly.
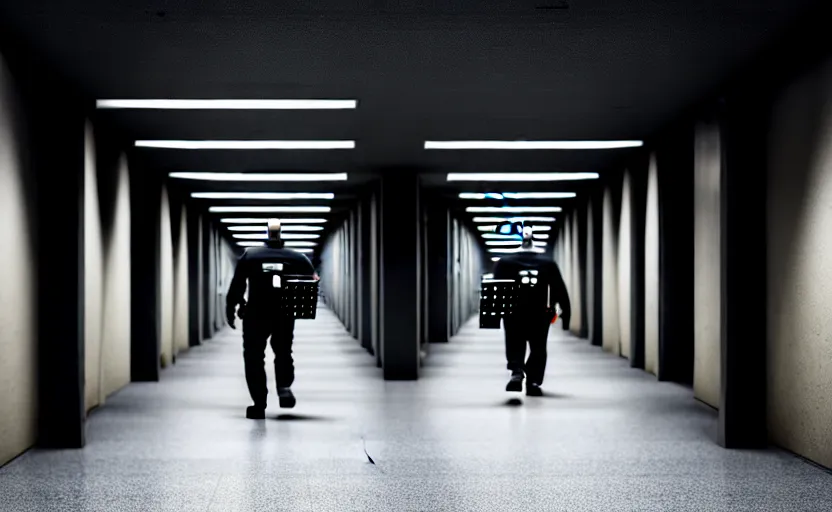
(458, 69)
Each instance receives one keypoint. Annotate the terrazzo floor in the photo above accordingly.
(606, 437)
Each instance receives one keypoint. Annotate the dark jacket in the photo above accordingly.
(509, 266)
(250, 270)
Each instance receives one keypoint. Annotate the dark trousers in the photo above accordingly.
(520, 331)
(256, 331)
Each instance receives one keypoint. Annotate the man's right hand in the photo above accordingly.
(229, 315)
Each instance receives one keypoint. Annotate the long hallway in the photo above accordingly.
(605, 437)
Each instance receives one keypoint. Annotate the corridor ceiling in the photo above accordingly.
(420, 70)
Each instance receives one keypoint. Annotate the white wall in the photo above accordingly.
(625, 274)
(166, 282)
(93, 277)
(181, 313)
(651, 271)
(106, 278)
(708, 170)
(116, 322)
(18, 337)
(609, 284)
(799, 319)
(577, 320)
(590, 271)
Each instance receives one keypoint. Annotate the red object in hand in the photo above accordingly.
(555, 318)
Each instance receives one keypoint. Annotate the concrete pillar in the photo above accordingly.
(674, 162)
(438, 273)
(145, 246)
(57, 157)
(742, 397)
(400, 275)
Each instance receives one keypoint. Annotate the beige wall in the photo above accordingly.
(93, 277)
(651, 271)
(799, 271)
(590, 271)
(18, 338)
(181, 313)
(166, 283)
(115, 365)
(575, 294)
(609, 283)
(106, 279)
(707, 169)
(625, 274)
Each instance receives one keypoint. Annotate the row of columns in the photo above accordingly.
(628, 250)
(398, 274)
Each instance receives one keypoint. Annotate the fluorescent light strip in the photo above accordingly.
(283, 236)
(508, 243)
(275, 196)
(517, 195)
(270, 209)
(513, 209)
(509, 251)
(522, 176)
(261, 244)
(246, 220)
(246, 144)
(532, 144)
(261, 177)
(479, 220)
(495, 236)
(300, 244)
(282, 228)
(228, 104)
(534, 228)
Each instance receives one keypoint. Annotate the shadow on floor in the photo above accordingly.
(300, 417)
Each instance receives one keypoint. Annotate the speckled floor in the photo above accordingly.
(605, 438)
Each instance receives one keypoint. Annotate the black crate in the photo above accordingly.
(496, 299)
(300, 298)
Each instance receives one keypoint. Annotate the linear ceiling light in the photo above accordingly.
(300, 244)
(509, 243)
(513, 209)
(246, 144)
(479, 220)
(256, 176)
(229, 104)
(522, 176)
(517, 195)
(270, 209)
(493, 228)
(282, 228)
(532, 144)
(496, 236)
(261, 244)
(518, 249)
(283, 236)
(247, 220)
(275, 196)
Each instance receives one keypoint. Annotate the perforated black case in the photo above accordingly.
(496, 298)
(300, 298)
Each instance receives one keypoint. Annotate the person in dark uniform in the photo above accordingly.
(530, 319)
(261, 317)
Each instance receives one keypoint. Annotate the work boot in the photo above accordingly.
(256, 412)
(516, 381)
(287, 399)
(533, 389)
